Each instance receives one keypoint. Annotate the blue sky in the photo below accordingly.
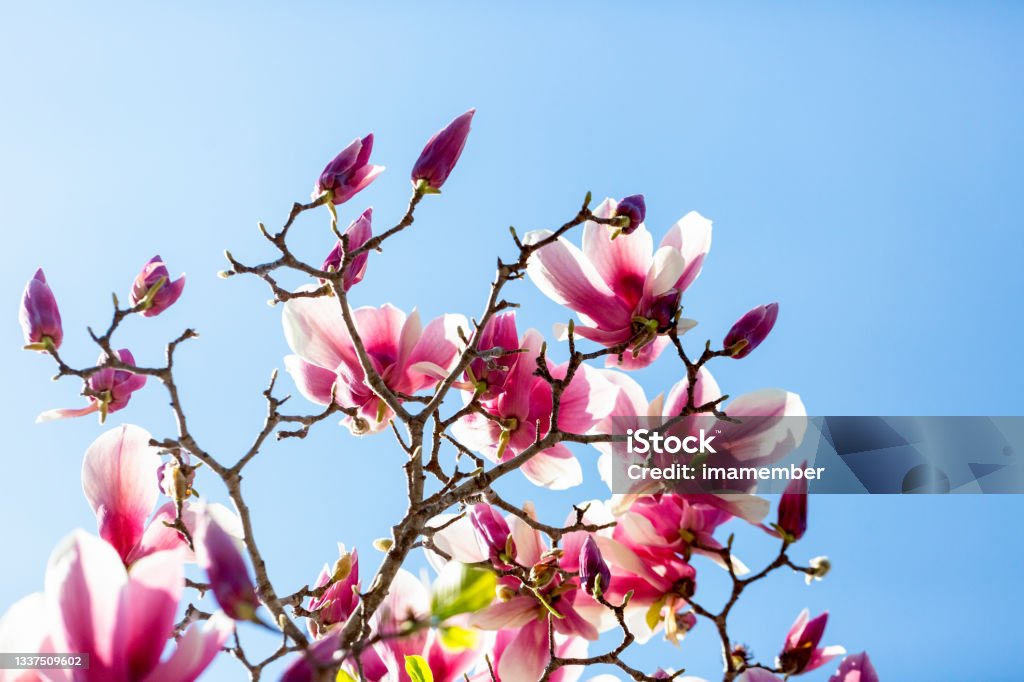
(862, 166)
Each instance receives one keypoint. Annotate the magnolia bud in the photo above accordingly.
(228, 575)
(792, 521)
(359, 232)
(348, 173)
(594, 574)
(634, 209)
(39, 316)
(750, 330)
(441, 153)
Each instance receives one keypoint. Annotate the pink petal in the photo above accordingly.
(666, 271)
(314, 383)
(118, 477)
(66, 413)
(588, 399)
(380, 329)
(622, 262)
(773, 424)
(154, 588)
(692, 236)
(529, 544)
(24, 628)
(563, 274)
(509, 614)
(158, 537)
(195, 650)
(527, 654)
(438, 345)
(855, 668)
(555, 468)
(316, 332)
(458, 540)
(86, 578)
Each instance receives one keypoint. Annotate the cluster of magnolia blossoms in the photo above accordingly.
(116, 596)
(505, 598)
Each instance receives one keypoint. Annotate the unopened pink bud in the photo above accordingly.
(358, 233)
(634, 209)
(750, 330)
(225, 568)
(793, 509)
(594, 574)
(39, 316)
(442, 152)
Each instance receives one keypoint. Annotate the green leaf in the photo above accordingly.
(418, 669)
(461, 589)
(456, 638)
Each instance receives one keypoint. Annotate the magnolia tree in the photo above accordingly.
(468, 402)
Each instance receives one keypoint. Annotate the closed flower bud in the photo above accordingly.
(154, 289)
(750, 330)
(348, 173)
(493, 535)
(225, 568)
(358, 233)
(634, 210)
(441, 153)
(594, 574)
(664, 309)
(792, 522)
(39, 316)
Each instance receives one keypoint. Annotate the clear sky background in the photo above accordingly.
(863, 166)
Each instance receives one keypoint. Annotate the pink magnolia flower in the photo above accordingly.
(442, 152)
(339, 600)
(522, 410)
(801, 652)
(153, 273)
(349, 172)
(774, 422)
(621, 292)
(855, 668)
(118, 475)
(358, 233)
(408, 357)
(109, 391)
(580, 615)
(219, 556)
(39, 315)
(122, 619)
